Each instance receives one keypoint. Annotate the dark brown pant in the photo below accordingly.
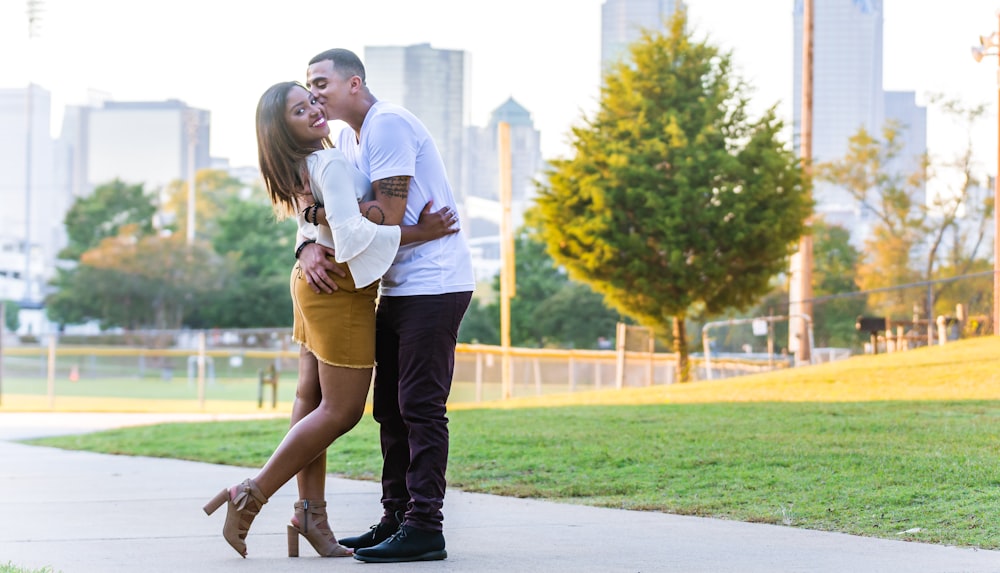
(415, 339)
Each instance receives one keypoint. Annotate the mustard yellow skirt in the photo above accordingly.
(339, 328)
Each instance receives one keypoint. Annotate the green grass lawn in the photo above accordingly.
(786, 448)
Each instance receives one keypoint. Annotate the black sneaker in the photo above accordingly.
(407, 544)
(375, 535)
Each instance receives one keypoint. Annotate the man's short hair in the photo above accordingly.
(345, 62)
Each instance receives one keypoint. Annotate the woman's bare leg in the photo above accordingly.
(344, 391)
(312, 478)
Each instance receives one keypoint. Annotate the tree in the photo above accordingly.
(137, 281)
(481, 323)
(234, 275)
(100, 215)
(11, 319)
(835, 263)
(86, 293)
(835, 268)
(81, 292)
(216, 190)
(675, 200)
(959, 240)
(869, 173)
(916, 238)
(260, 252)
(550, 310)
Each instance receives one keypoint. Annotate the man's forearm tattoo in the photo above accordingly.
(394, 187)
(375, 214)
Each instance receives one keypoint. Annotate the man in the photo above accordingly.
(424, 296)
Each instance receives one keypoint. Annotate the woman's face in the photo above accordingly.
(305, 117)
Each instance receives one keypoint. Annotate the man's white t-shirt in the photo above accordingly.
(393, 142)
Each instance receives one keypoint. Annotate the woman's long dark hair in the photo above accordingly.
(281, 158)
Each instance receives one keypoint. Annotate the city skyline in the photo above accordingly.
(516, 55)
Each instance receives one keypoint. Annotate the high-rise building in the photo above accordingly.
(151, 143)
(482, 209)
(848, 96)
(33, 196)
(847, 93)
(622, 23)
(138, 142)
(431, 83)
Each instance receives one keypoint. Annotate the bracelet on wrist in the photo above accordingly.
(298, 250)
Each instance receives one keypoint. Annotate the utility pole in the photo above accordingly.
(990, 46)
(800, 283)
(34, 9)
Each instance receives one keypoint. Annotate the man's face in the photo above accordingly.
(329, 88)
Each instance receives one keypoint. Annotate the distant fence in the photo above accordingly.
(212, 365)
(877, 320)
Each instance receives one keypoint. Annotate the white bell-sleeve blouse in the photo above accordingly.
(367, 248)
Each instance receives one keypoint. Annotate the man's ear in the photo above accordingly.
(356, 84)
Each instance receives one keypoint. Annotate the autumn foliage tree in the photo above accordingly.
(122, 272)
(675, 200)
(141, 281)
(917, 238)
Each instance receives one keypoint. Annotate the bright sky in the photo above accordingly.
(221, 55)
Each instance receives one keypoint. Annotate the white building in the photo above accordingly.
(33, 194)
(433, 84)
(138, 142)
(622, 23)
(152, 143)
(847, 96)
(482, 209)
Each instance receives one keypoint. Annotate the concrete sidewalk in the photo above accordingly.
(80, 512)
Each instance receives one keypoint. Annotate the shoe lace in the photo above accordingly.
(400, 516)
(399, 535)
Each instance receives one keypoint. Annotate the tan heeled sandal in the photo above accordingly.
(314, 526)
(242, 507)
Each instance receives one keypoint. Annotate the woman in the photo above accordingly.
(335, 331)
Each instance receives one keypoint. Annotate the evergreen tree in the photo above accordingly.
(675, 200)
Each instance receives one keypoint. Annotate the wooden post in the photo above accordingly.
(572, 372)
(52, 372)
(652, 357)
(538, 377)
(620, 354)
(507, 279)
(770, 344)
(479, 377)
(201, 369)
